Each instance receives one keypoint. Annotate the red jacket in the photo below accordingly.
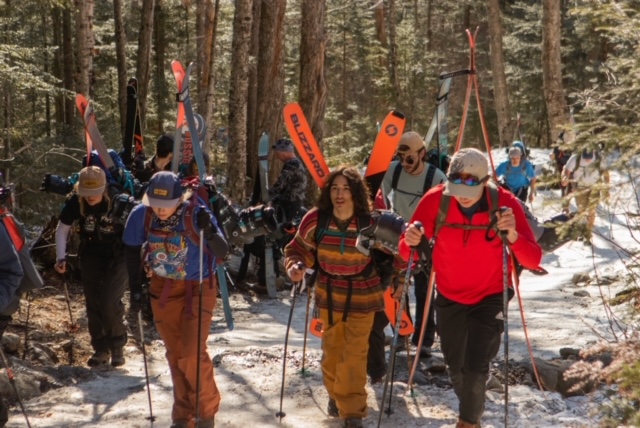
(468, 267)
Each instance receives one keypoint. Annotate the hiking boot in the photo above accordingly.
(98, 358)
(353, 423)
(117, 357)
(332, 408)
(206, 423)
(378, 380)
(179, 424)
(463, 424)
(425, 352)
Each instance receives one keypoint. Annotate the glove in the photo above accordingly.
(136, 302)
(203, 221)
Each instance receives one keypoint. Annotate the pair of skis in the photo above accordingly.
(187, 146)
(263, 174)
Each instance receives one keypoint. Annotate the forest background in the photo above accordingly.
(347, 62)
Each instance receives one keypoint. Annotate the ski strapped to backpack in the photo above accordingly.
(383, 149)
(439, 121)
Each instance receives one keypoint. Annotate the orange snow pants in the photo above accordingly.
(344, 361)
(175, 313)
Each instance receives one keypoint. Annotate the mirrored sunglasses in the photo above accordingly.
(466, 179)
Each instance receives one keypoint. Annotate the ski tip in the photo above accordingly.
(398, 114)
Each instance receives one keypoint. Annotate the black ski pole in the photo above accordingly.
(26, 326)
(392, 356)
(12, 381)
(294, 291)
(304, 373)
(146, 370)
(505, 316)
(198, 346)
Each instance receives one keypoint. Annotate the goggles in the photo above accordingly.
(466, 179)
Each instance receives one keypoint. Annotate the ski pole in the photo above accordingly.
(12, 381)
(146, 370)
(199, 346)
(306, 330)
(294, 291)
(72, 326)
(505, 317)
(394, 343)
(26, 326)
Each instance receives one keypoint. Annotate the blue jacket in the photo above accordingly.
(516, 177)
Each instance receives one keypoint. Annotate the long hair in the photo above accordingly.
(359, 191)
(84, 205)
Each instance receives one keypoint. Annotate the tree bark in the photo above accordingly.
(68, 66)
(381, 31)
(144, 57)
(313, 82)
(56, 63)
(205, 98)
(393, 51)
(252, 98)
(238, 94)
(121, 61)
(212, 13)
(270, 94)
(501, 95)
(161, 87)
(84, 46)
(557, 112)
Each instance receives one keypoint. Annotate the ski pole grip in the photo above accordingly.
(418, 224)
(503, 233)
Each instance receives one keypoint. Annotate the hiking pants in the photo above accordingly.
(344, 361)
(376, 358)
(470, 339)
(585, 200)
(421, 283)
(104, 280)
(175, 313)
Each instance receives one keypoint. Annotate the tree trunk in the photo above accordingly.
(238, 94)
(557, 113)
(252, 98)
(121, 61)
(381, 31)
(161, 87)
(144, 57)
(212, 13)
(56, 63)
(206, 54)
(84, 46)
(45, 45)
(501, 96)
(393, 52)
(200, 51)
(68, 66)
(270, 95)
(313, 83)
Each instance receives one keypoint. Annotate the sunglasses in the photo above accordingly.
(408, 159)
(466, 179)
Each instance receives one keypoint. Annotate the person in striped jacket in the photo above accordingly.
(348, 289)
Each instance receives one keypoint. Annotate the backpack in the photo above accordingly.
(124, 182)
(523, 149)
(428, 180)
(31, 279)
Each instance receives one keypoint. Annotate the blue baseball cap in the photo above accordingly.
(283, 145)
(164, 191)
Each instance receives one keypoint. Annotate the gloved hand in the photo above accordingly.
(203, 221)
(136, 301)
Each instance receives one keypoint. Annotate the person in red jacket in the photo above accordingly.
(468, 265)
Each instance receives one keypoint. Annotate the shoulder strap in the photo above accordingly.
(396, 176)
(445, 200)
(189, 221)
(493, 197)
(148, 218)
(428, 181)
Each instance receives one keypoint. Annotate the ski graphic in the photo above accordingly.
(94, 139)
(132, 140)
(305, 143)
(185, 112)
(383, 149)
(263, 170)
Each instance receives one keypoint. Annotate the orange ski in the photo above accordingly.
(384, 149)
(305, 143)
(391, 307)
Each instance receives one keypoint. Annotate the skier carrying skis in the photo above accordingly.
(161, 161)
(348, 288)
(171, 224)
(469, 269)
(518, 174)
(102, 269)
(404, 184)
(583, 171)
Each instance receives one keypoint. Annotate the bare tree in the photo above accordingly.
(68, 65)
(144, 56)
(393, 51)
(557, 114)
(237, 152)
(160, 66)
(205, 86)
(121, 61)
(252, 97)
(501, 96)
(84, 46)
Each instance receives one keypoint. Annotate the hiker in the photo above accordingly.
(288, 192)
(583, 171)
(518, 174)
(404, 184)
(170, 222)
(348, 290)
(468, 265)
(161, 161)
(559, 156)
(102, 269)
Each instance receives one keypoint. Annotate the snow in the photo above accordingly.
(249, 358)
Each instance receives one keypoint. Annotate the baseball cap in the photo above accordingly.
(91, 181)
(514, 152)
(410, 142)
(467, 161)
(164, 190)
(283, 145)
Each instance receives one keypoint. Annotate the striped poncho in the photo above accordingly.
(341, 264)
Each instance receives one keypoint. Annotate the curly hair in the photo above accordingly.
(359, 191)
